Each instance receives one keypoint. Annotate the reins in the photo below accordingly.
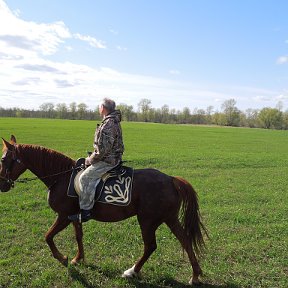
(26, 180)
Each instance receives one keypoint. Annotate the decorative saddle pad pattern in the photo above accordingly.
(114, 187)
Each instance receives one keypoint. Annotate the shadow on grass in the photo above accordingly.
(170, 282)
(76, 275)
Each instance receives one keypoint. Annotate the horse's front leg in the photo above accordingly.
(79, 235)
(60, 223)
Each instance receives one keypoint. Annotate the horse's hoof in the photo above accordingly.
(76, 261)
(195, 282)
(130, 273)
(64, 261)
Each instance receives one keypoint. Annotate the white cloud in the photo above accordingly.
(17, 12)
(113, 31)
(18, 35)
(92, 41)
(282, 60)
(120, 48)
(68, 48)
(35, 38)
(262, 98)
(174, 72)
(283, 96)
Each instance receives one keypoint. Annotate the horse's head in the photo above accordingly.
(11, 166)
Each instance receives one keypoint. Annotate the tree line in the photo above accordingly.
(229, 115)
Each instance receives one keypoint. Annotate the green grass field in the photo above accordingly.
(241, 179)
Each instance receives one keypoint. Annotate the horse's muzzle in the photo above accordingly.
(5, 186)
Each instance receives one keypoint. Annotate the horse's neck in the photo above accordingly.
(44, 162)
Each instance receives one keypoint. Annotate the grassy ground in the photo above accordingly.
(241, 179)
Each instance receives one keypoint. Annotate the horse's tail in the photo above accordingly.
(191, 218)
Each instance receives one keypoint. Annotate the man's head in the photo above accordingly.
(106, 107)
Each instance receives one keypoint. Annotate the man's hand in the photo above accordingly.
(87, 161)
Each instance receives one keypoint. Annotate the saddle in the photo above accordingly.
(114, 187)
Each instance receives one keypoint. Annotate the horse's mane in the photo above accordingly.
(46, 160)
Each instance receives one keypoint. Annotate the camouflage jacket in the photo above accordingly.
(108, 142)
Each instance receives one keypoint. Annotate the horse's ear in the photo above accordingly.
(7, 145)
(13, 140)
(4, 142)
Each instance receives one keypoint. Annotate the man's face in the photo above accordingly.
(101, 110)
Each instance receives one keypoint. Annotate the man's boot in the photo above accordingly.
(81, 217)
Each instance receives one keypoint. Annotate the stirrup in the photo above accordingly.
(81, 217)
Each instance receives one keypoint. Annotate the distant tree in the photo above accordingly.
(279, 105)
(209, 112)
(82, 110)
(73, 110)
(47, 109)
(219, 119)
(242, 119)
(285, 120)
(144, 107)
(199, 116)
(155, 115)
(270, 118)
(19, 113)
(165, 114)
(185, 116)
(231, 112)
(251, 118)
(96, 114)
(173, 118)
(62, 110)
(126, 111)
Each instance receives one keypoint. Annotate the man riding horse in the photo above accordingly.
(108, 150)
(156, 197)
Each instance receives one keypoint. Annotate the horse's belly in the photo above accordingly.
(112, 213)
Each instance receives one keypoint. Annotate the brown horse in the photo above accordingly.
(156, 199)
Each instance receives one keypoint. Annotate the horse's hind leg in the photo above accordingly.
(60, 223)
(79, 235)
(149, 238)
(177, 229)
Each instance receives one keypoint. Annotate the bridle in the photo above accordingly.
(9, 167)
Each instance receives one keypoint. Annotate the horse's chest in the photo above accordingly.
(56, 201)
(52, 200)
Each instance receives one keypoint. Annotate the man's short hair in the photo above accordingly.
(109, 104)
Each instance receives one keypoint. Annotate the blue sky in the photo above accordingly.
(183, 53)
